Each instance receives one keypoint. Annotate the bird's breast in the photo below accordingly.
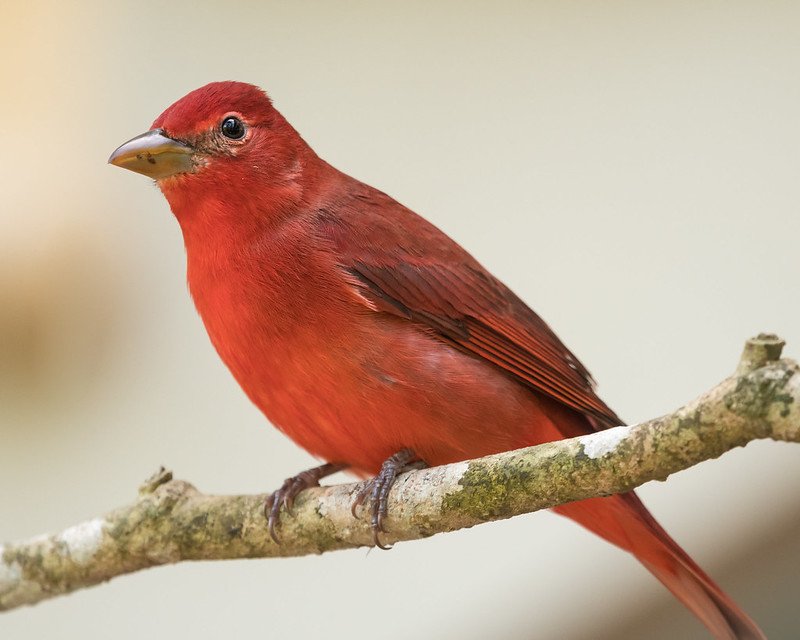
(345, 382)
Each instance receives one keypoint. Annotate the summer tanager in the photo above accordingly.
(365, 333)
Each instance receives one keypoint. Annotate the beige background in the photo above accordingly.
(630, 169)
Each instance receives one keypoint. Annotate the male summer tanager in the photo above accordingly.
(365, 333)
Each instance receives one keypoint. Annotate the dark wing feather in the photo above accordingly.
(405, 266)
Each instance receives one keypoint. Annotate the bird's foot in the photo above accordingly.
(376, 491)
(290, 489)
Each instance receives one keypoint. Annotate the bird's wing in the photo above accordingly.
(405, 266)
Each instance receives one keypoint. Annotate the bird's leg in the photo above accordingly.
(291, 488)
(377, 489)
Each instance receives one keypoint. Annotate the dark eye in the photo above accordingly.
(232, 128)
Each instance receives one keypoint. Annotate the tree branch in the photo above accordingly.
(171, 521)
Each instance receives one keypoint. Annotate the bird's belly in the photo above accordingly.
(360, 388)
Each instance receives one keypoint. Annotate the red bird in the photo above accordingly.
(365, 333)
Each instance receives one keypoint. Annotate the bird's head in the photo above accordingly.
(224, 142)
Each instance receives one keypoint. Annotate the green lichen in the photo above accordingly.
(756, 393)
(490, 491)
(484, 493)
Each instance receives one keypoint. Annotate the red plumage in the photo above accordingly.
(360, 329)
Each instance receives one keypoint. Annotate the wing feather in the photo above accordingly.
(494, 325)
(403, 265)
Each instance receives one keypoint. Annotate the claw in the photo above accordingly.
(377, 490)
(361, 497)
(289, 490)
(267, 504)
(272, 518)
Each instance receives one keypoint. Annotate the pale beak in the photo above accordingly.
(155, 155)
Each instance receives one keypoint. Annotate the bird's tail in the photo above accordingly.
(624, 521)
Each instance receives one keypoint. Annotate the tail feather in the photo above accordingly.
(624, 521)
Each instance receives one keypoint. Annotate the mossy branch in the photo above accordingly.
(171, 521)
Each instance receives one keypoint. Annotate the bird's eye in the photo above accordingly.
(232, 128)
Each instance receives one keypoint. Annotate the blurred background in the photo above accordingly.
(629, 168)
